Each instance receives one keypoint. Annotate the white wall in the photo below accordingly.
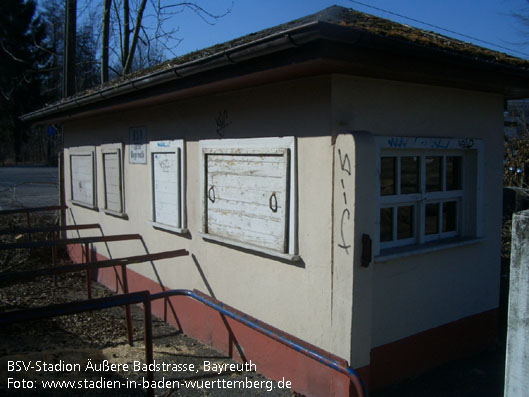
(315, 299)
(295, 297)
(415, 293)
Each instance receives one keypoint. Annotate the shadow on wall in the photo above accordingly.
(169, 312)
(232, 340)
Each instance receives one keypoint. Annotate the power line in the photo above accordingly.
(440, 28)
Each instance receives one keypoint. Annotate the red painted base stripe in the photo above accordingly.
(273, 359)
(420, 352)
(389, 363)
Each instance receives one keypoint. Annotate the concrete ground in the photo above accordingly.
(28, 186)
(480, 375)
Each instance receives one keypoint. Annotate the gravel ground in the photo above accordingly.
(92, 338)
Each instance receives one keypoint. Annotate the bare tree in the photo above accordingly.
(130, 25)
(105, 39)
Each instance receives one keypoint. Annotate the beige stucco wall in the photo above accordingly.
(327, 299)
(294, 297)
(418, 292)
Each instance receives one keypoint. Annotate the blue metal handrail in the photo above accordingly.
(264, 329)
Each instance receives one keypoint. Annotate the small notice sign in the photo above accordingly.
(137, 145)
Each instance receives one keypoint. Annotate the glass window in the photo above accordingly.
(405, 222)
(434, 173)
(453, 173)
(423, 191)
(409, 175)
(387, 175)
(386, 224)
(431, 219)
(450, 216)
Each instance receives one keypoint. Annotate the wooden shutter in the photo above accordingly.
(113, 187)
(82, 178)
(247, 197)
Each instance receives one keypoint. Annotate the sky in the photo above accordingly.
(487, 20)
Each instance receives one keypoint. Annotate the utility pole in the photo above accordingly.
(70, 30)
(69, 47)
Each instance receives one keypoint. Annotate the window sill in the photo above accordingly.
(390, 254)
(116, 214)
(84, 205)
(250, 247)
(169, 228)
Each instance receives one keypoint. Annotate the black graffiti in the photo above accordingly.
(345, 166)
(345, 163)
(222, 121)
(466, 143)
(344, 244)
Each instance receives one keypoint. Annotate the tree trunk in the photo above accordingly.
(137, 27)
(104, 40)
(69, 48)
(126, 33)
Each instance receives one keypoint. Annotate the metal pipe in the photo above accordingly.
(78, 267)
(88, 276)
(62, 309)
(147, 336)
(266, 330)
(54, 258)
(127, 307)
(32, 209)
(50, 228)
(67, 241)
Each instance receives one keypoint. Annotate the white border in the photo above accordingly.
(170, 146)
(430, 146)
(83, 151)
(114, 148)
(255, 146)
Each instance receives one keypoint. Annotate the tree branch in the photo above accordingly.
(137, 26)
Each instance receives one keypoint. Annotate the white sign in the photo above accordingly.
(137, 145)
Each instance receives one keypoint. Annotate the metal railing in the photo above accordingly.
(302, 347)
(72, 268)
(63, 309)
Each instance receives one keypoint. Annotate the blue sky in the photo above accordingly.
(488, 20)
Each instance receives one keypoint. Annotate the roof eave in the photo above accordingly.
(364, 44)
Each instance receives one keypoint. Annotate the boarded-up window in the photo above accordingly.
(113, 178)
(82, 176)
(249, 192)
(167, 187)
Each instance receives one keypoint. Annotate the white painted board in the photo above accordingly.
(113, 188)
(247, 197)
(82, 173)
(166, 188)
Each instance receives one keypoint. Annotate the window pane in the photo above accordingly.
(386, 224)
(433, 173)
(409, 175)
(387, 176)
(405, 222)
(453, 173)
(431, 221)
(450, 216)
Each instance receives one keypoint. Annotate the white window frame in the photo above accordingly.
(254, 146)
(114, 148)
(84, 151)
(170, 146)
(469, 197)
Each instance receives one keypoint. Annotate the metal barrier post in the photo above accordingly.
(88, 275)
(127, 307)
